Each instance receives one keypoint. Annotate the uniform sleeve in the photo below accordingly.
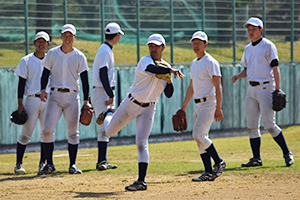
(47, 61)
(243, 60)
(214, 69)
(104, 60)
(272, 52)
(83, 66)
(22, 70)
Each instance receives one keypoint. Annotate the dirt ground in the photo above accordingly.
(103, 186)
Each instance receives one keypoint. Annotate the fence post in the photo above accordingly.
(171, 32)
(26, 26)
(292, 31)
(233, 32)
(203, 14)
(264, 17)
(65, 12)
(138, 51)
(102, 20)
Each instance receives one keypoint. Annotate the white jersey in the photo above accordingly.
(104, 58)
(31, 69)
(65, 67)
(257, 60)
(146, 86)
(202, 72)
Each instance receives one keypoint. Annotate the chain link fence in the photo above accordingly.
(176, 20)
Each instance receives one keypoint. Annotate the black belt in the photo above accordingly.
(144, 105)
(34, 95)
(63, 90)
(113, 87)
(254, 83)
(200, 100)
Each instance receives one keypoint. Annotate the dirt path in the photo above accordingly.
(103, 186)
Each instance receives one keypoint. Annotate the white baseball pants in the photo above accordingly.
(67, 103)
(258, 103)
(126, 112)
(35, 109)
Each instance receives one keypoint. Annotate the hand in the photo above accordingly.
(234, 79)
(109, 101)
(177, 73)
(44, 96)
(86, 104)
(218, 115)
(21, 108)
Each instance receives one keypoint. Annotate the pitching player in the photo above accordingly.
(205, 86)
(260, 60)
(102, 96)
(140, 103)
(29, 71)
(65, 63)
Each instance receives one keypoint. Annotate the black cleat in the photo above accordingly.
(254, 162)
(137, 185)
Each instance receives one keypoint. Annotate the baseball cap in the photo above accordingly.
(253, 21)
(113, 28)
(42, 34)
(200, 35)
(157, 39)
(69, 27)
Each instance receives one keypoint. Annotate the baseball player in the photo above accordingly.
(205, 86)
(102, 96)
(29, 71)
(140, 103)
(65, 63)
(260, 60)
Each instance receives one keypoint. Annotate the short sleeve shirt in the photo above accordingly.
(65, 68)
(257, 60)
(202, 72)
(146, 86)
(30, 68)
(104, 58)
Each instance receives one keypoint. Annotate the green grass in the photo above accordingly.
(125, 54)
(174, 158)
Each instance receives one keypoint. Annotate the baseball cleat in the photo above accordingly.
(104, 165)
(47, 169)
(41, 166)
(253, 163)
(218, 168)
(74, 170)
(289, 159)
(205, 176)
(101, 116)
(137, 185)
(19, 169)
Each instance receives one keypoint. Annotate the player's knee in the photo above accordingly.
(274, 131)
(254, 132)
(73, 139)
(202, 140)
(24, 139)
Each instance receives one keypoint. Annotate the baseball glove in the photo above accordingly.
(166, 76)
(86, 115)
(279, 100)
(18, 119)
(179, 121)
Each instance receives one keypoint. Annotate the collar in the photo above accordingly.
(256, 42)
(108, 44)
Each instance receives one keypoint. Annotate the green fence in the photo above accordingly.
(233, 105)
(176, 20)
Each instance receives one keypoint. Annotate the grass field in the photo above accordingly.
(172, 165)
(125, 54)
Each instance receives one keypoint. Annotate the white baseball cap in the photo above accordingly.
(113, 28)
(157, 39)
(199, 35)
(42, 34)
(253, 21)
(69, 27)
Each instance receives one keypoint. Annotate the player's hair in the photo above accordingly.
(110, 36)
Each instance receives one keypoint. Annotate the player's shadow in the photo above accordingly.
(94, 194)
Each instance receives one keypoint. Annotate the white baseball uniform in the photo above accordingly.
(258, 102)
(31, 69)
(202, 72)
(64, 98)
(140, 104)
(103, 58)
